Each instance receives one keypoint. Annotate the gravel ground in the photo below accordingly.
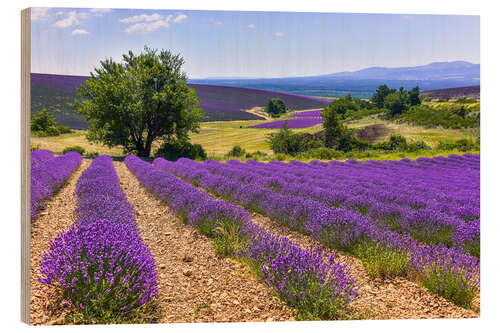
(56, 218)
(196, 285)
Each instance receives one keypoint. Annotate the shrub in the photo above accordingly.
(395, 143)
(465, 100)
(321, 153)
(78, 149)
(102, 247)
(42, 121)
(257, 155)
(380, 261)
(462, 145)
(275, 107)
(280, 157)
(63, 129)
(34, 147)
(172, 151)
(287, 142)
(236, 151)
(92, 154)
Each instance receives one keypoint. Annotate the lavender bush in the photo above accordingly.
(41, 155)
(384, 252)
(318, 289)
(100, 264)
(48, 176)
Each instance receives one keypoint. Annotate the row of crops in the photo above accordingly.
(301, 277)
(101, 266)
(418, 219)
(48, 174)
(301, 120)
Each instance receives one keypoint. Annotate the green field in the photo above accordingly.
(217, 138)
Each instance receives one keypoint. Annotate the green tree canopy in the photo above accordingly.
(344, 104)
(398, 102)
(382, 92)
(42, 121)
(275, 107)
(144, 98)
(414, 96)
(334, 129)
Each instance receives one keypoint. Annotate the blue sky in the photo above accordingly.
(249, 44)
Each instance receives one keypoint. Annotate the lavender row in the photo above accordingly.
(101, 263)
(419, 191)
(311, 113)
(427, 224)
(349, 231)
(39, 156)
(49, 175)
(301, 122)
(300, 277)
(453, 193)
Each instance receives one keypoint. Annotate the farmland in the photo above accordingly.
(57, 92)
(251, 241)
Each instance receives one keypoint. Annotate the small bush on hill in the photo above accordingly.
(44, 124)
(275, 107)
(465, 100)
(462, 145)
(288, 142)
(257, 155)
(236, 151)
(78, 149)
(172, 151)
(63, 129)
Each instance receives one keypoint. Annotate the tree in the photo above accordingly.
(275, 107)
(414, 96)
(379, 97)
(398, 102)
(42, 121)
(287, 142)
(143, 99)
(334, 129)
(344, 104)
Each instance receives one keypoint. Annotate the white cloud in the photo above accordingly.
(150, 23)
(179, 18)
(279, 34)
(147, 28)
(251, 26)
(219, 23)
(80, 32)
(100, 10)
(38, 13)
(72, 18)
(142, 18)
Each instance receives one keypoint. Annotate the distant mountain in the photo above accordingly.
(436, 71)
(362, 83)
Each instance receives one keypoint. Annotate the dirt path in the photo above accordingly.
(195, 285)
(396, 298)
(56, 218)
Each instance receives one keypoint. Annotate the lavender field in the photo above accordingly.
(416, 221)
(301, 120)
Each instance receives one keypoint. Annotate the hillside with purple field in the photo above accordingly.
(56, 92)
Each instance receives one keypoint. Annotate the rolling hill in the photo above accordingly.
(57, 92)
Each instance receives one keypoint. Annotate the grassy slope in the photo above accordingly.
(217, 138)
